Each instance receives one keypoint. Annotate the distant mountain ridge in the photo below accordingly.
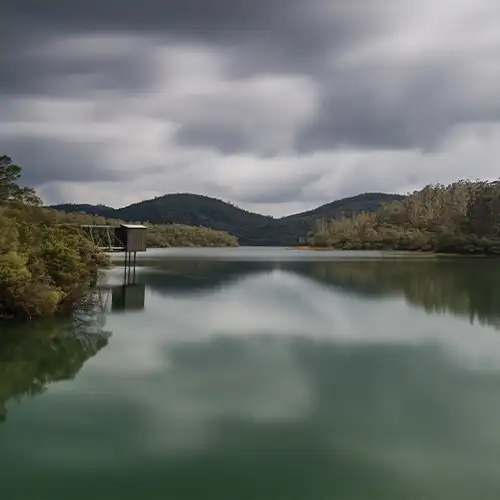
(250, 228)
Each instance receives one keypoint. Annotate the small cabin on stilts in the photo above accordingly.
(133, 239)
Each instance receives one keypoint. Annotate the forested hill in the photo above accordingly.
(346, 207)
(463, 217)
(250, 228)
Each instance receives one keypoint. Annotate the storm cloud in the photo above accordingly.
(276, 105)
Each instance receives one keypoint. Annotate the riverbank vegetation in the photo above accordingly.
(463, 217)
(44, 267)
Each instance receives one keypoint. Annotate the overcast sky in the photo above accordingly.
(274, 105)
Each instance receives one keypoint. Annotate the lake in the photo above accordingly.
(256, 373)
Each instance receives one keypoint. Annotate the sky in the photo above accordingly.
(275, 105)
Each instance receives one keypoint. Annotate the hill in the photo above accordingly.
(98, 210)
(250, 228)
(347, 207)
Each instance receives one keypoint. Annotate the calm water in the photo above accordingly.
(262, 374)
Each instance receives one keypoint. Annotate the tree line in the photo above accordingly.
(462, 217)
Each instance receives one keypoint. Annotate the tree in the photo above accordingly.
(10, 191)
(44, 267)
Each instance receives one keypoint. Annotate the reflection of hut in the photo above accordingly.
(133, 237)
(128, 297)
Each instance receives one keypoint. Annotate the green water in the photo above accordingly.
(262, 374)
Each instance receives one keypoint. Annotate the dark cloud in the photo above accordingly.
(215, 20)
(271, 191)
(33, 70)
(362, 108)
(30, 75)
(227, 138)
(45, 160)
(382, 106)
(263, 35)
(257, 116)
(259, 36)
(379, 75)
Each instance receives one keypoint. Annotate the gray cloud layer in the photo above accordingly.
(279, 104)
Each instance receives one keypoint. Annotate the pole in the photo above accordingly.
(129, 265)
(135, 260)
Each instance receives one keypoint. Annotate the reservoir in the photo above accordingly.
(261, 374)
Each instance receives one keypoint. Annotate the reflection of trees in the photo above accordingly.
(463, 287)
(460, 286)
(193, 276)
(32, 356)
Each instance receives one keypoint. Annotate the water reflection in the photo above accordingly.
(277, 380)
(35, 355)
(462, 287)
(130, 297)
(466, 288)
(266, 418)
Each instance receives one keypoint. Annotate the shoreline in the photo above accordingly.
(308, 247)
(399, 253)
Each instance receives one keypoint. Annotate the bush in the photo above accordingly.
(321, 240)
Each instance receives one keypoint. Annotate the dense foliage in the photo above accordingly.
(44, 267)
(463, 217)
(249, 228)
